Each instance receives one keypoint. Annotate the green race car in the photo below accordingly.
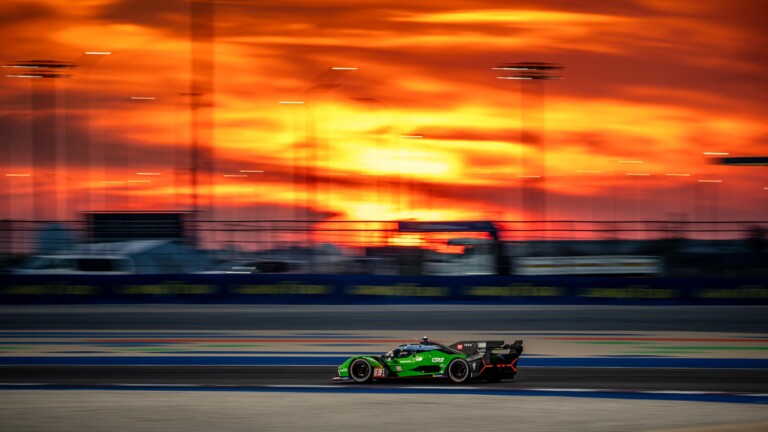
(460, 362)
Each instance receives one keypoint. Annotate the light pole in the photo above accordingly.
(318, 88)
(532, 76)
(45, 154)
(8, 126)
(87, 61)
(234, 222)
(196, 151)
(202, 121)
(295, 157)
(322, 84)
(253, 190)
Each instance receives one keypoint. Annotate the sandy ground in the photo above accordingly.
(117, 411)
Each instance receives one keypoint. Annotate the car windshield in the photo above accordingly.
(406, 350)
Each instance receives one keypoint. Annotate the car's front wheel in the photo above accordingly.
(458, 371)
(360, 371)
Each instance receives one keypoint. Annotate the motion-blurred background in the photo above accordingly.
(293, 136)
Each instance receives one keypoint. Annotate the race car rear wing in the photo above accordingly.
(474, 347)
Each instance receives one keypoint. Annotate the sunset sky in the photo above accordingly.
(422, 129)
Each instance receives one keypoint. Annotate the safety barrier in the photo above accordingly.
(355, 289)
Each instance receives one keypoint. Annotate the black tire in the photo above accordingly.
(458, 371)
(360, 371)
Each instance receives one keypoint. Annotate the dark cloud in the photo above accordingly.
(171, 15)
(15, 13)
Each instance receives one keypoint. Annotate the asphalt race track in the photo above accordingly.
(181, 395)
(445, 318)
(742, 319)
(704, 380)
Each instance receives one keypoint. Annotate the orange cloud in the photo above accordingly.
(653, 81)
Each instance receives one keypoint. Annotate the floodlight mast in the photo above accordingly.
(532, 169)
(45, 159)
(40, 69)
(44, 75)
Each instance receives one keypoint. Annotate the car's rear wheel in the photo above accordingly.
(458, 371)
(360, 371)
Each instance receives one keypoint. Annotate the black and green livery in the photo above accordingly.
(459, 362)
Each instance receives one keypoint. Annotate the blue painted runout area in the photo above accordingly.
(601, 394)
(194, 360)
